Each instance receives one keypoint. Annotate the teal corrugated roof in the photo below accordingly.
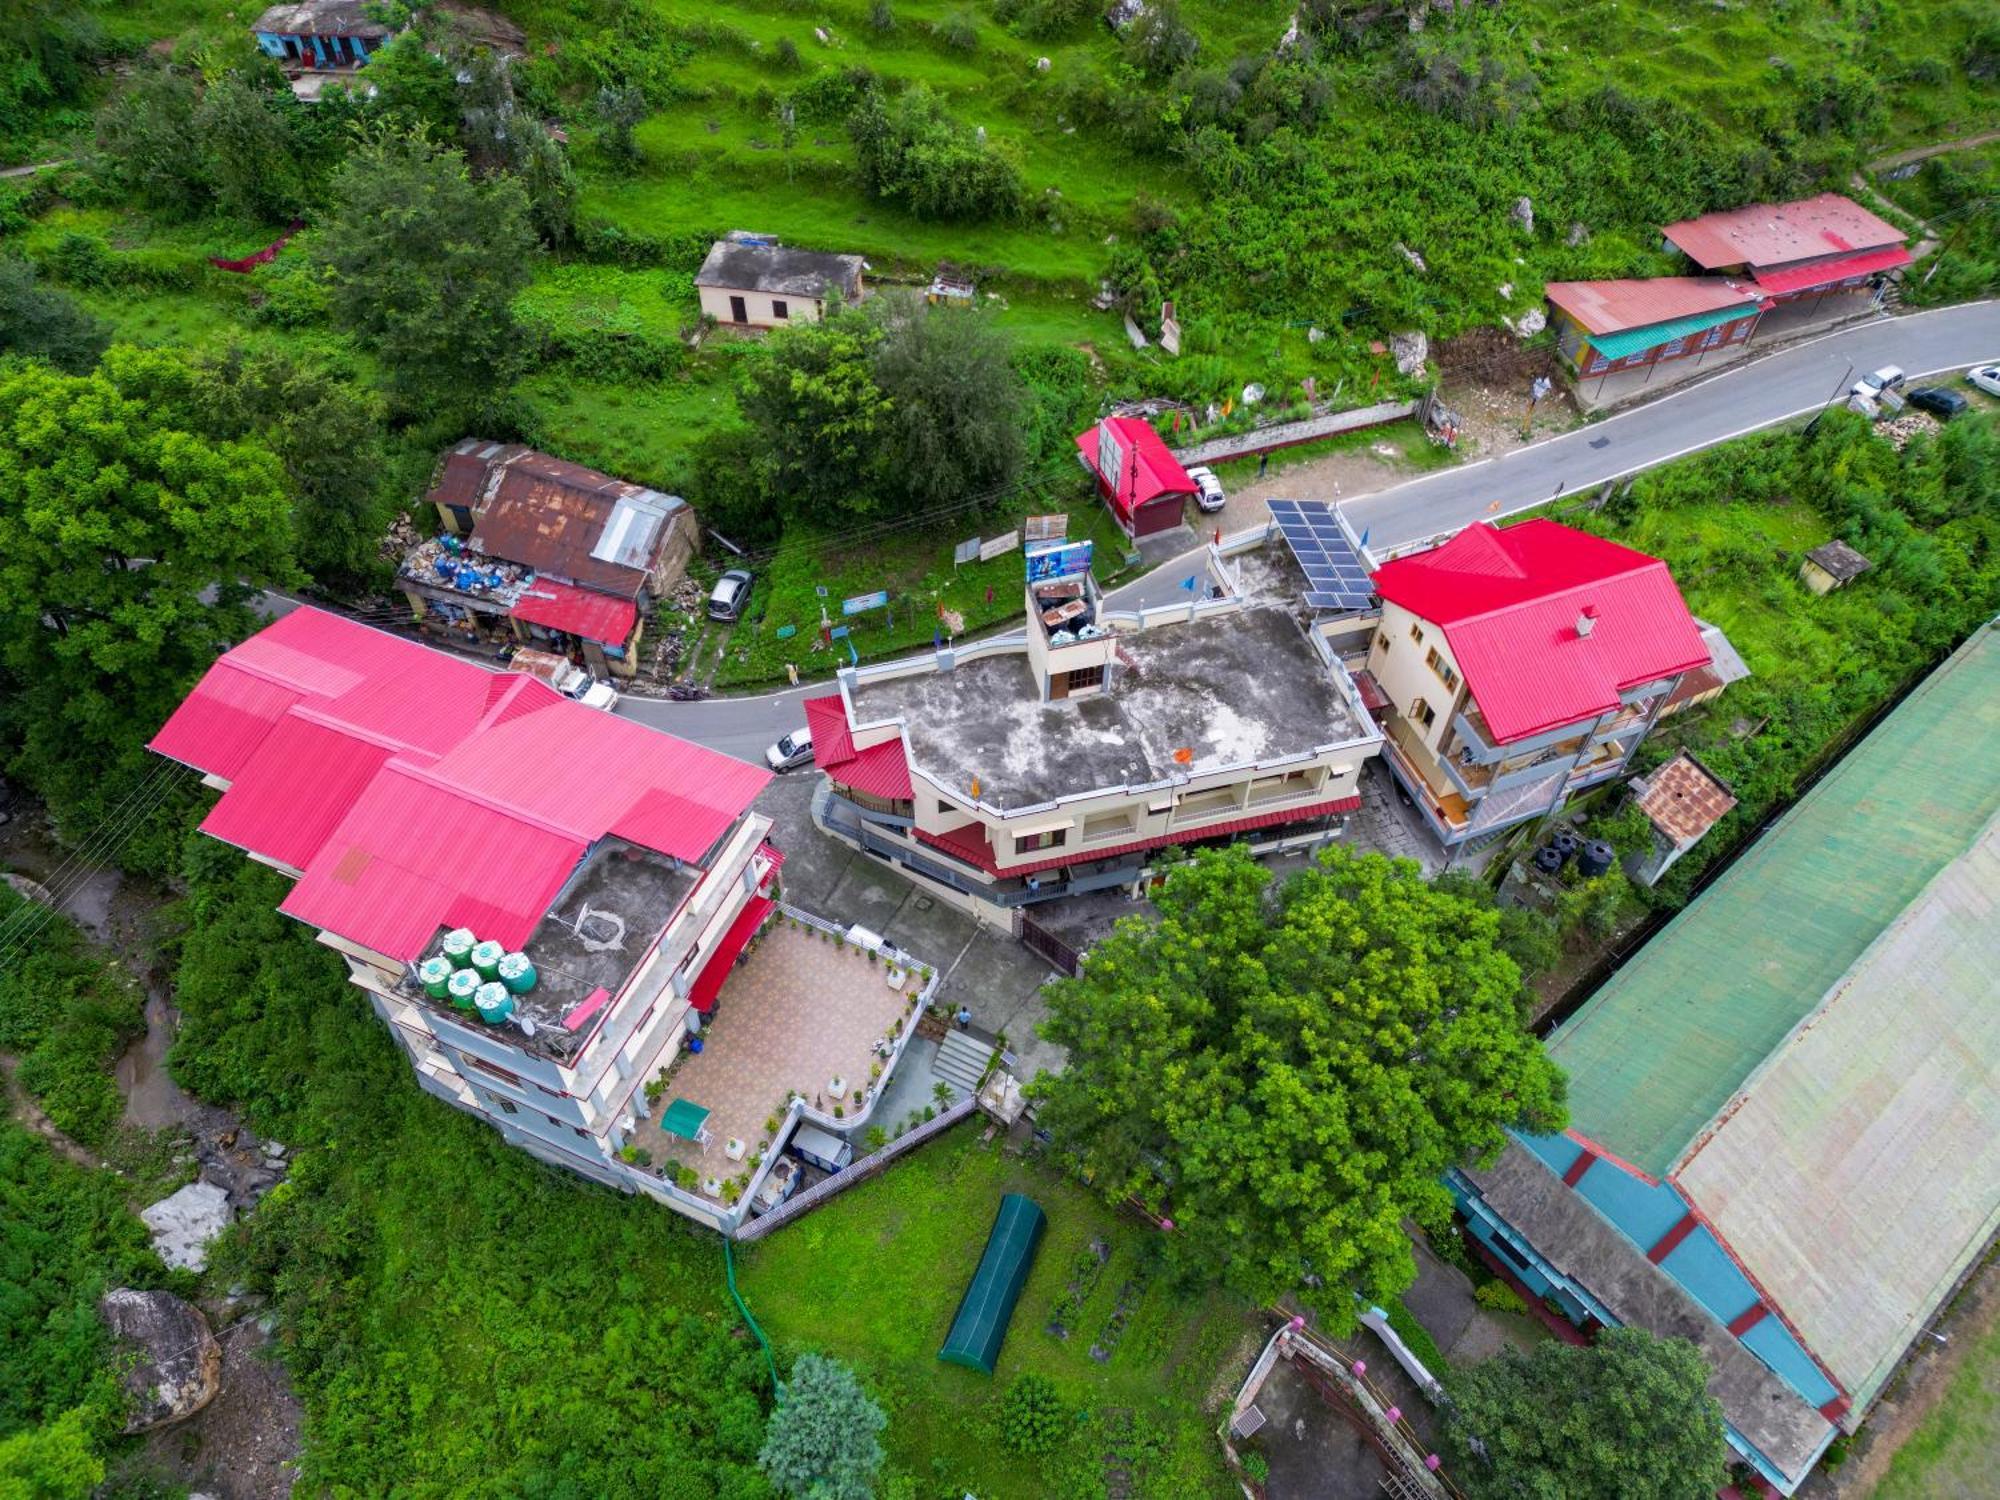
(1662, 1046)
(1632, 340)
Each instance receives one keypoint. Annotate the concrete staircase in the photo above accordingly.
(961, 1062)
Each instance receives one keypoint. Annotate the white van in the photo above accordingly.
(817, 1148)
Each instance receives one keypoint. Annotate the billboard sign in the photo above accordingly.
(1046, 528)
(992, 547)
(965, 552)
(1110, 459)
(1058, 560)
(877, 600)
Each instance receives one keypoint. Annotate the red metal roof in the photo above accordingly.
(715, 973)
(1150, 472)
(1776, 234)
(1609, 306)
(1508, 603)
(969, 843)
(1798, 278)
(582, 612)
(880, 770)
(480, 804)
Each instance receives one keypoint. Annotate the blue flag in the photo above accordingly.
(1189, 582)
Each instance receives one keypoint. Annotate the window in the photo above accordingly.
(581, 1131)
(1054, 838)
(1416, 632)
(1422, 713)
(1382, 641)
(507, 1106)
(945, 807)
(1085, 677)
(461, 519)
(780, 309)
(1443, 669)
(486, 1067)
(1501, 1244)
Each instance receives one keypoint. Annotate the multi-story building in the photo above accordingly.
(1063, 759)
(1513, 668)
(614, 877)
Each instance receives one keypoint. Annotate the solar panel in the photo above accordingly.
(1336, 578)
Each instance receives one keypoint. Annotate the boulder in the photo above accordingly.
(1530, 323)
(177, 1364)
(30, 890)
(1410, 350)
(1416, 261)
(1579, 232)
(184, 1223)
(1524, 214)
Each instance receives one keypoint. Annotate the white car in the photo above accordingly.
(566, 678)
(1870, 387)
(795, 749)
(1207, 490)
(1986, 377)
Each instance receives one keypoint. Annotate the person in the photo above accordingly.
(1263, 464)
(964, 1018)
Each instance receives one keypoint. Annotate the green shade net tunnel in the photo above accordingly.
(980, 1327)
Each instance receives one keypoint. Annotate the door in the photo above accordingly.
(739, 310)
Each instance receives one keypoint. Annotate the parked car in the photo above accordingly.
(778, 1185)
(727, 600)
(1207, 489)
(1870, 387)
(1939, 401)
(1986, 377)
(795, 749)
(566, 678)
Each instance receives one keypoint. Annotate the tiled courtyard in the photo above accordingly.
(799, 1012)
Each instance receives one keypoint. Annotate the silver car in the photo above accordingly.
(731, 593)
(795, 749)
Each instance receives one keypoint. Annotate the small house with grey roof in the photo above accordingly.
(752, 281)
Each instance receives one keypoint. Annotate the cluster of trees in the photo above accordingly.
(1286, 1073)
(910, 151)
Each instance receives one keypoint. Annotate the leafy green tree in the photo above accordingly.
(543, 167)
(56, 1462)
(129, 547)
(809, 392)
(822, 1439)
(1630, 1415)
(413, 88)
(245, 124)
(148, 148)
(40, 321)
(1288, 1073)
(911, 152)
(46, 50)
(953, 424)
(1159, 42)
(423, 263)
(1033, 1416)
(620, 108)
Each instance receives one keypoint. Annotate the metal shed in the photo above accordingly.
(980, 1325)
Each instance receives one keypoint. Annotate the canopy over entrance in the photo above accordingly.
(987, 1307)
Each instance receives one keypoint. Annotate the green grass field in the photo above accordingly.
(1951, 1452)
(875, 1278)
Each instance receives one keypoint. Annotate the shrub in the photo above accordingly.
(912, 152)
(876, 1138)
(1256, 1467)
(1033, 1418)
(1497, 1296)
(958, 30)
(881, 19)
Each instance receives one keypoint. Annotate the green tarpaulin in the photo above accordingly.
(683, 1119)
(980, 1327)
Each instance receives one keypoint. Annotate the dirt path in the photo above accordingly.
(1915, 1392)
(29, 1113)
(1925, 153)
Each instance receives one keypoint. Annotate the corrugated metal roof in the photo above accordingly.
(826, 722)
(1662, 1046)
(881, 771)
(1775, 234)
(1508, 603)
(1610, 306)
(1684, 799)
(1799, 278)
(1150, 471)
(1633, 340)
(1858, 1170)
(742, 266)
(715, 972)
(553, 516)
(581, 612)
(294, 789)
(222, 722)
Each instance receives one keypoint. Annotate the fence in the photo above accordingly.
(861, 1171)
(1044, 944)
(1290, 434)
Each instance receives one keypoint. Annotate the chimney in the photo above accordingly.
(1586, 621)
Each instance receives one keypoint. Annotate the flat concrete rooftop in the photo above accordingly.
(1232, 688)
(603, 922)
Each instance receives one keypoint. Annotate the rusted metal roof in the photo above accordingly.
(740, 266)
(559, 517)
(1839, 561)
(582, 612)
(1685, 799)
(1612, 306)
(1776, 234)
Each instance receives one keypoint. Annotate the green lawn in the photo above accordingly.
(1951, 1452)
(875, 1277)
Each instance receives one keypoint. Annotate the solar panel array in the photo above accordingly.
(1335, 575)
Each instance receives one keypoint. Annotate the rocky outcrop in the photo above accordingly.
(1410, 351)
(184, 1224)
(172, 1363)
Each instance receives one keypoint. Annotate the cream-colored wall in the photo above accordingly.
(1400, 667)
(715, 303)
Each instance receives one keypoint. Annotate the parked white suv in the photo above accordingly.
(1207, 490)
(1870, 387)
(566, 678)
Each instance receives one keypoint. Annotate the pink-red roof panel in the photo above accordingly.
(1612, 306)
(1867, 263)
(715, 973)
(1508, 602)
(581, 612)
(881, 771)
(826, 722)
(294, 789)
(222, 722)
(1150, 470)
(1776, 234)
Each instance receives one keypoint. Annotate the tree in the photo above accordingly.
(1287, 1074)
(1159, 42)
(148, 147)
(423, 263)
(129, 547)
(1629, 1416)
(56, 1462)
(40, 321)
(810, 393)
(821, 1441)
(911, 152)
(245, 127)
(620, 109)
(953, 424)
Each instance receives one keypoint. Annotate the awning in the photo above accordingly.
(1826, 272)
(581, 612)
(715, 973)
(1635, 340)
(685, 1119)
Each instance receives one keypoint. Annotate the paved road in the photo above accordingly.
(1740, 398)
